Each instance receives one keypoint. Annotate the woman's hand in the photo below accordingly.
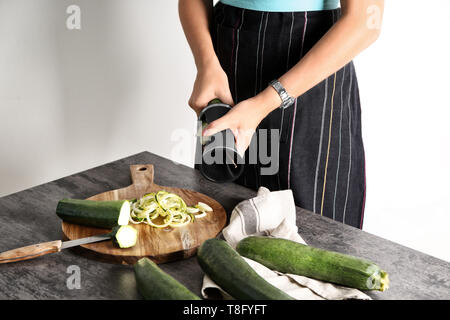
(244, 118)
(211, 83)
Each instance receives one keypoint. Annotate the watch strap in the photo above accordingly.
(286, 99)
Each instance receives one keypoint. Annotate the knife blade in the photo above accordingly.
(40, 249)
(79, 242)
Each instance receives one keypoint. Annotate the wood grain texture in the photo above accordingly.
(160, 245)
(30, 252)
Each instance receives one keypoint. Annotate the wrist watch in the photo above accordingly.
(286, 99)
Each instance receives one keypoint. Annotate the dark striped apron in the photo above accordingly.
(321, 153)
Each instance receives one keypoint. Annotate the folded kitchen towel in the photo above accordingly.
(273, 214)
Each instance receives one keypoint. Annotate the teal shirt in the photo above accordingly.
(284, 5)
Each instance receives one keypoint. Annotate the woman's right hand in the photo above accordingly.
(211, 83)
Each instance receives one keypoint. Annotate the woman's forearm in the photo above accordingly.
(351, 34)
(195, 18)
(211, 81)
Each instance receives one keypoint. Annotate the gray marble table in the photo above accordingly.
(28, 217)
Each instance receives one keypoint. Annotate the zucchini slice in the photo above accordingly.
(124, 236)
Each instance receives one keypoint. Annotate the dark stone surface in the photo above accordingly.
(28, 217)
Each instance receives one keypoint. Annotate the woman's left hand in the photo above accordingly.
(244, 118)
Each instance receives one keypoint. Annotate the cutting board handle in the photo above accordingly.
(142, 177)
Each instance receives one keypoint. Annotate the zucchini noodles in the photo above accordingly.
(164, 209)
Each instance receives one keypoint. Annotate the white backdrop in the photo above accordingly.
(404, 87)
(74, 99)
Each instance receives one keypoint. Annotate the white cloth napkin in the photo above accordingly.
(273, 214)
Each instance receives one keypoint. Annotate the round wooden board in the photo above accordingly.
(160, 245)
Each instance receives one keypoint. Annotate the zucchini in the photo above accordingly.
(233, 274)
(100, 214)
(164, 209)
(155, 284)
(124, 236)
(291, 257)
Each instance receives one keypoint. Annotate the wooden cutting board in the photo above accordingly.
(160, 245)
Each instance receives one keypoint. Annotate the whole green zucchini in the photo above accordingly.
(291, 257)
(233, 274)
(100, 214)
(155, 284)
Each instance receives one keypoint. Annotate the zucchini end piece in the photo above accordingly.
(384, 281)
(378, 281)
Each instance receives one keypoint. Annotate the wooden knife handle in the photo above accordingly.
(30, 252)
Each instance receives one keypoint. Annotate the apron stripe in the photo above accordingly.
(256, 83)
(340, 144)
(290, 42)
(236, 59)
(320, 144)
(262, 52)
(257, 53)
(350, 145)
(290, 147)
(257, 166)
(282, 110)
(233, 47)
(304, 33)
(364, 197)
(295, 105)
(328, 149)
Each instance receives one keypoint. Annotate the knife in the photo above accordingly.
(40, 249)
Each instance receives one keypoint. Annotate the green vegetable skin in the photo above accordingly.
(230, 271)
(100, 214)
(291, 257)
(155, 284)
(124, 236)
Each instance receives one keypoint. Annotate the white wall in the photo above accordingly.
(404, 87)
(74, 99)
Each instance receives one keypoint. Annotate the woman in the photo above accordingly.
(287, 65)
